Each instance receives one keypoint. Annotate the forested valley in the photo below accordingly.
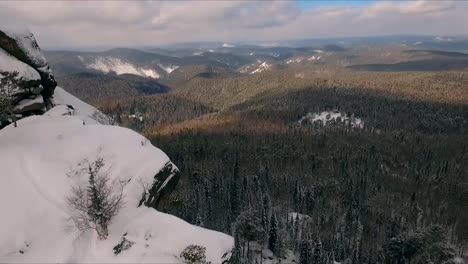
(310, 163)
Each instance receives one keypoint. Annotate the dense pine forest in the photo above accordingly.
(310, 163)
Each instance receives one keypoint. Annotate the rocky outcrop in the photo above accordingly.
(25, 76)
(157, 196)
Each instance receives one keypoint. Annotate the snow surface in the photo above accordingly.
(81, 108)
(111, 64)
(39, 161)
(9, 63)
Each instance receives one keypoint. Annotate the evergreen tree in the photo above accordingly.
(304, 253)
(297, 197)
(266, 212)
(273, 236)
(318, 254)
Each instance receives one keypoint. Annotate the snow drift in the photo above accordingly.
(40, 163)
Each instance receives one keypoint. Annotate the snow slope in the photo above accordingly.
(42, 159)
(81, 108)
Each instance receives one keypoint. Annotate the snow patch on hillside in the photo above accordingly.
(260, 66)
(295, 60)
(444, 39)
(227, 45)
(263, 67)
(326, 118)
(314, 58)
(168, 69)
(302, 59)
(38, 159)
(110, 64)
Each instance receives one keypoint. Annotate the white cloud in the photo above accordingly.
(133, 23)
(419, 7)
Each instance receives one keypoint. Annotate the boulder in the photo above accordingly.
(22, 45)
(26, 81)
(35, 104)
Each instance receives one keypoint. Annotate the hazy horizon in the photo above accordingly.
(106, 24)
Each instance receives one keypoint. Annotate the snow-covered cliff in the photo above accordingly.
(38, 163)
(42, 159)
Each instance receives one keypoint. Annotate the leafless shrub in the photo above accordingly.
(93, 206)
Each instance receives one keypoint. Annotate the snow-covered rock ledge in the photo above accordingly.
(26, 80)
(40, 162)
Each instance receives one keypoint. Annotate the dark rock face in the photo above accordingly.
(30, 95)
(164, 183)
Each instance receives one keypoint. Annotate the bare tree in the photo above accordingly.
(93, 206)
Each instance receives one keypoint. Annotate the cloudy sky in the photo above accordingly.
(61, 24)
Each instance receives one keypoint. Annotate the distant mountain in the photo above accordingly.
(424, 60)
(92, 87)
(136, 62)
(119, 61)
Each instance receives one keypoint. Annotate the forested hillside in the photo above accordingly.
(315, 162)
